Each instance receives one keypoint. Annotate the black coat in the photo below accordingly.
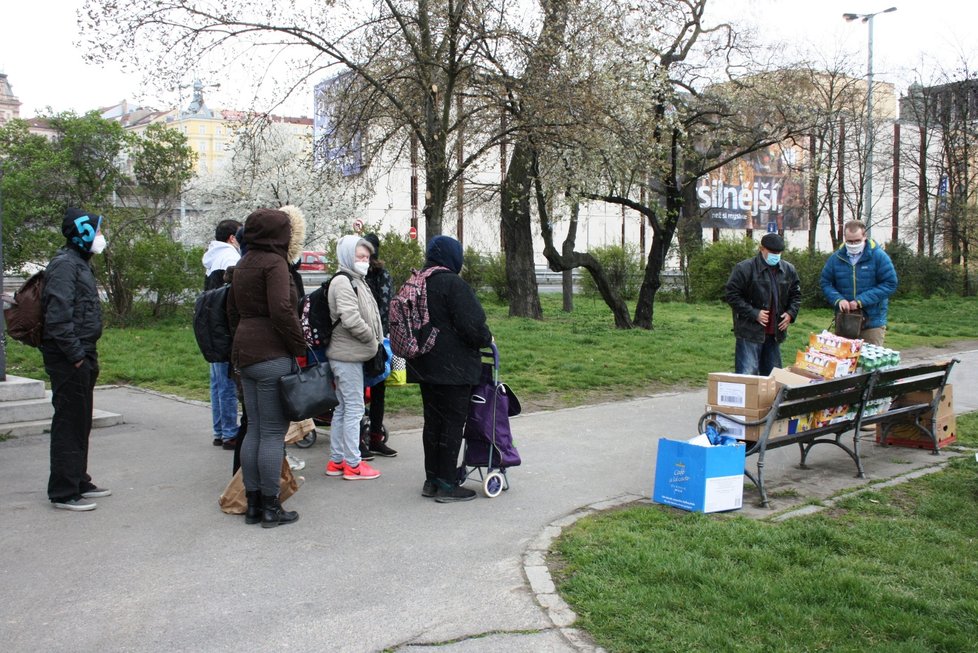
(748, 291)
(72, 310)
(455, 310)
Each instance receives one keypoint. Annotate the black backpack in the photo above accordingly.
(211, 327)
(317, 323)
(25, 316)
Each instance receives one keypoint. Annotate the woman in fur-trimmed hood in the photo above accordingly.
(296, 244)
(267, 335)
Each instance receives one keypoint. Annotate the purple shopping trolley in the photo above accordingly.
(489, 449)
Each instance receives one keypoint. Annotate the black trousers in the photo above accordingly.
(378, 394)
(445, 410)
(72, 390)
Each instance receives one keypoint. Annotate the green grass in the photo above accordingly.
(565, 359)
(889, 570)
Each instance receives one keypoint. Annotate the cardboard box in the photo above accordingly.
(747, 433)
(793, 377)
(833, 345)
(699, 479)
(945, 409)
(827, 367)
(908, 435)
(740, 390)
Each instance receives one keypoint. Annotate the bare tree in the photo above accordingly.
(643, 125)
(948, 110)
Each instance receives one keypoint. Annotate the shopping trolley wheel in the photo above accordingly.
(493, 484)
(307, 441)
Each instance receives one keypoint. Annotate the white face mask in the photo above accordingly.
(855, 250)
(361, 267)
(98, 245)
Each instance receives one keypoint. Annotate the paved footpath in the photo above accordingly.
(370, 566)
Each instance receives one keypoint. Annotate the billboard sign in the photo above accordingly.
(330, 144)
(755, 191)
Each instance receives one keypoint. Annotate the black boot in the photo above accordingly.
(253, 515)
(273, 515)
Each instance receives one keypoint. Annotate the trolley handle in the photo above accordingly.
(494, 353)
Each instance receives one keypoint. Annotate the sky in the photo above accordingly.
(43, 62)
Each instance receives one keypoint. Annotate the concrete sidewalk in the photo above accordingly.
(369, 566)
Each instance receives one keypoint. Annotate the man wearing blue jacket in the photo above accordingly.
(860, 277)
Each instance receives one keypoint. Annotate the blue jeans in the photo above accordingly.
(757, 357)
(224, 402)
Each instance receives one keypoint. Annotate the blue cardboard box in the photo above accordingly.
(699, 479)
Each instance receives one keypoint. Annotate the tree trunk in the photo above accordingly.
(690, 233)
(518, 237)
(568, 259)
(435, 177)
(662, 234)
(567, 290)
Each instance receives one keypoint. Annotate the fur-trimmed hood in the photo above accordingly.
(298, 240)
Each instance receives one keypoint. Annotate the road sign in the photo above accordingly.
(772, 227)
(413, 233)
(358, 225)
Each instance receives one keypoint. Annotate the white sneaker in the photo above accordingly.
(296, 464)
(78, 505)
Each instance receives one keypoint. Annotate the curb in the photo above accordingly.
(541, 583)
(893, 480)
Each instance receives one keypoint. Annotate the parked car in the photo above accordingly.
(313, 261)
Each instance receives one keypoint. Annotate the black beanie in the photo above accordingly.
(375, 241)
(79, 228)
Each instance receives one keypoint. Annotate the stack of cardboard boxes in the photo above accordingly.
(744, 396)
(944, 424)
(828, 356)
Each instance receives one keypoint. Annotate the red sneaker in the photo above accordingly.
(361, 472)
(335, 469)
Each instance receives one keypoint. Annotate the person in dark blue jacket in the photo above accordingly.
(447, 373)
(860, 276)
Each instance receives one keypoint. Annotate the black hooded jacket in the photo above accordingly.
(72, 310)
(456, 311)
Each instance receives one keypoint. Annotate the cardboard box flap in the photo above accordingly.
(792, 378)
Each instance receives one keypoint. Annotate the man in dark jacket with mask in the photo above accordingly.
(447, 373)
(72, 327)
(764, 295)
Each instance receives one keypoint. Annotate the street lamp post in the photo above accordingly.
(868, 198)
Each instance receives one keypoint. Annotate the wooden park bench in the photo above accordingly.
(855, 391)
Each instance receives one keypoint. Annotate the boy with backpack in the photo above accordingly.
(222, 252)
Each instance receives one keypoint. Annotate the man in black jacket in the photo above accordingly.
(72, 327)
(764, 295)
